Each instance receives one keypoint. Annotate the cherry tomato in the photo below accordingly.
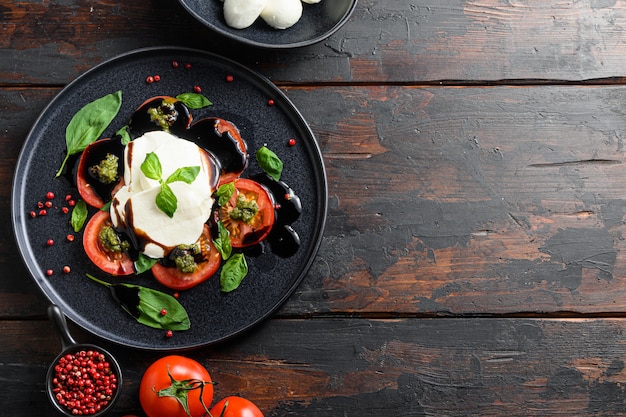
(172, 278)
(114, 263)
(245, 233)
(235, 407)
(182, 376)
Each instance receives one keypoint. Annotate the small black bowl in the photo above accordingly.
(318, 22)
(69, 346)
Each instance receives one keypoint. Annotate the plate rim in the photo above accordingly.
(18, 216)
(279, 46)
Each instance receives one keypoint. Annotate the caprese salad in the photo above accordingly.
(173, 197)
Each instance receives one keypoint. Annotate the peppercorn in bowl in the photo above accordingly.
(84, 379)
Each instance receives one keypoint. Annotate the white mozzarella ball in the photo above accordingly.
(240, 14)
(282, 14)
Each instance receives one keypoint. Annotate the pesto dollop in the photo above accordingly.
(164, 115)
(106, 170)
(245, 210)
(111, 240)
(184, 256)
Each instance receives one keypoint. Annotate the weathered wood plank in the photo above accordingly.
(442, 200)
(390, 41)
(353, 367)
(471, 200)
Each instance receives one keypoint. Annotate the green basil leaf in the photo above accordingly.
(194, 100)
(224, 193)
(89, 123)
(222, 243)
(185, 174)
(144, 263)
(233, 272)
(153, 302)
(166, 201)
(151, 167)
(124, 135)
(150, 304)
(269, 162)
(106, 206)
(79, 215)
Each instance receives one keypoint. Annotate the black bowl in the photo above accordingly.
(71, 347)
(318, 22)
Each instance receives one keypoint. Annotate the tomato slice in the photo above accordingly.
(90, 189)
(244, 233)
(114, 263)
(174, 279)
(223, 139)
(160, 113)
(224, 127)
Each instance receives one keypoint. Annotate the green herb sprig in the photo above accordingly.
(144, 263)
(269, 162)
(79, 215)
(166, 201)
(89, 123)
(233, 272)
(235, 266)
(194, 100)
(150, 305)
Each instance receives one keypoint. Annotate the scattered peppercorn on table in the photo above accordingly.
(473, 259)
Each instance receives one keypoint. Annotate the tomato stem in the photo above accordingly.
(180, 391)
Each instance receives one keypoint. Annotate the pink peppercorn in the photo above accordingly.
(83, 382)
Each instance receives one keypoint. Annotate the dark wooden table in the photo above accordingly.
(474, 260)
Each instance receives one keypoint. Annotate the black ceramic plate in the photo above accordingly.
(242, 99)
(318, 22)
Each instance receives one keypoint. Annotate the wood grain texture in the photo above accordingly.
(449, 201)
(457, 41)
(411, 367)
(472, 200)
(474, 257)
